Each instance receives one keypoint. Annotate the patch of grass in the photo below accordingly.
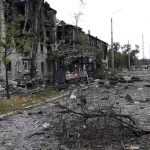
(19, 102)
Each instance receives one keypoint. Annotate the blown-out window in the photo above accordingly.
(18, 66)
(25, 64)
(42, 49)
(0, 66)
(42, 67)
(9, 66)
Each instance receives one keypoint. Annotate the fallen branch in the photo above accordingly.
(95, 115)
(130, 124)
(36, 133)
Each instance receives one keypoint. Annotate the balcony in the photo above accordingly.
(26, 56)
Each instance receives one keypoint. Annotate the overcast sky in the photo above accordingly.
(130, 19)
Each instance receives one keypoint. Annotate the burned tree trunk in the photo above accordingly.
(35, 27)
(26, 16)
(7, 83)
(54, 71)
(33, 67)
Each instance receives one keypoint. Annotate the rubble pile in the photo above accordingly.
(100, 115)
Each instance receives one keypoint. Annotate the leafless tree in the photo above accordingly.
(77, 17)
(78, 14)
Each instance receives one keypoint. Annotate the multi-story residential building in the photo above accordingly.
(39, 23)
(79, 48)
(46, 39)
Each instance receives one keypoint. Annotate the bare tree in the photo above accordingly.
(78, 14)
(77, 17)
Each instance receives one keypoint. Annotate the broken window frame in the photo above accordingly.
(25, 65)
(42, 48)
(9, 66)
(42, 67)
(18, 66)
(0, 66)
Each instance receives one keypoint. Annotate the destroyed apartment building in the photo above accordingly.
(78, 48)
(52, 44)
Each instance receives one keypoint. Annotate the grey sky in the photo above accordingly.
(130, 19)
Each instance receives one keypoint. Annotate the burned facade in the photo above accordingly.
(51, 44)
(38, 25)
(79, 48)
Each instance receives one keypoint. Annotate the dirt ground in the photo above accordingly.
(32, 129)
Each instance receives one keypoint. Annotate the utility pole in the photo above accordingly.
(149, 55)
(112, 50)
(143, 49)
(129, 56)
(143, 45)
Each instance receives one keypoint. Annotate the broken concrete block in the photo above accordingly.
(126, 87)
(46, 125)
(147, 100)
(82, 99)
(40, 112)
(129, 98)
(62, 147)
(136, 102)
(147, 85)
(131, 147)
(113, 82)
(136, 78)
(140, 89)
(122, 80)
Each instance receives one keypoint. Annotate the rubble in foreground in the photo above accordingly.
(39, 127)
